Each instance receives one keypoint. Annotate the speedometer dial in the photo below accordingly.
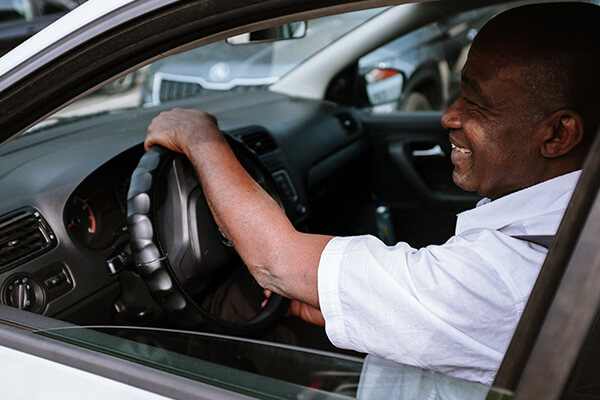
(95, 212)
(81, 221)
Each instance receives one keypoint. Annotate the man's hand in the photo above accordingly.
(183, 130)
(301, 310)
(306, 312)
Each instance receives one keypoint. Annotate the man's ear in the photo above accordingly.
(562, 131)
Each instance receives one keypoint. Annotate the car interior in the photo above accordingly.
(330, 165)
(94, 231)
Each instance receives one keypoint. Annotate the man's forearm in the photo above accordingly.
(281, 258)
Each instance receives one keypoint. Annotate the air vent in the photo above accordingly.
(23, 235)
(259, 141)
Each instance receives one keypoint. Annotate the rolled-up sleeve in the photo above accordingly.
(444, 308)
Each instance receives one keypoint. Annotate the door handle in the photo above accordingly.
(435, 151)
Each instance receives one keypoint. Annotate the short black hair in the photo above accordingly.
(560, 44)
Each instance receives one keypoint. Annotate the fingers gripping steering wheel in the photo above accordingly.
(177, 247)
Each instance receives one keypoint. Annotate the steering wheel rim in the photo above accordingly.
(166, 275)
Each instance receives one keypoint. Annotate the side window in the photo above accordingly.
(420, 71)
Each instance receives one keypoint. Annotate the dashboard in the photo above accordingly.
(70, 182)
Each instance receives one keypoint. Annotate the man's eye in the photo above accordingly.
(472, 108)
(469, 102)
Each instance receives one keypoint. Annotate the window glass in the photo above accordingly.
(250, 367)
(264, 369)
(214, 68)
(221, 66)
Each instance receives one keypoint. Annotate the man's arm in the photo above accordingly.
(280, 258)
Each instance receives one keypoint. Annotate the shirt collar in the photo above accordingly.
(542, 198)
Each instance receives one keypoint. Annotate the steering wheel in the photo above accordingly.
(178, 249)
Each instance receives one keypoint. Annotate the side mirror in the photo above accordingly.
(383, 85)
(295, 30)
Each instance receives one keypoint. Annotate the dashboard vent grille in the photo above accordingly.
(23, 234)
(260, 141)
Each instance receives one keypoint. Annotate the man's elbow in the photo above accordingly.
(272, 261)
(289, 265)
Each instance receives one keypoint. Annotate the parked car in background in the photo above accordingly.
(20, 19)
(228, 66)
(429, 61)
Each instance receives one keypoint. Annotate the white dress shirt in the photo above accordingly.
(450, 308)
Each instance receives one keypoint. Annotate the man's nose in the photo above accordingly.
(451, 117)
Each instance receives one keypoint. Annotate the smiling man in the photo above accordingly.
(519, 120)
(519, 132)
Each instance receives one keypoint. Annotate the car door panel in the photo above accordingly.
(413, 175)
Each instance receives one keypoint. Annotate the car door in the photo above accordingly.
(412, 174)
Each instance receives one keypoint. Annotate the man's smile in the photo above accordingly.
(460, 153)
(460, 149)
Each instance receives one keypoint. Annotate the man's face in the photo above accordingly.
(491, 125)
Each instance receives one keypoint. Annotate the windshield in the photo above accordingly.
(223, 66)
(268, 370)
(217, 67)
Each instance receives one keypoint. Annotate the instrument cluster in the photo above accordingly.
(95, 214)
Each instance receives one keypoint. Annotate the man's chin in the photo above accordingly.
(463, 181)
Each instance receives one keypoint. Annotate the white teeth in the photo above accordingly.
(460, 149)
